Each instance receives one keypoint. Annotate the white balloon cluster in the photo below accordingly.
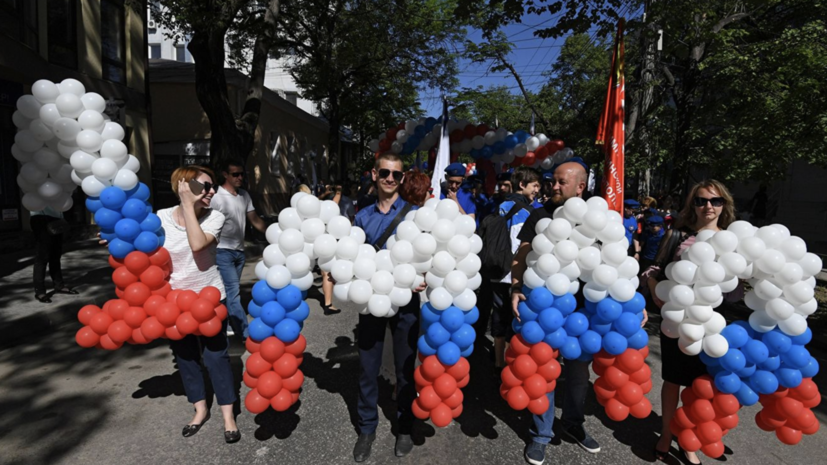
(307, 231)
(776, 265)
(435, 240)
(566, 251)
(44, 141)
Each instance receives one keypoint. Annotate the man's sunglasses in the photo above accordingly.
(397, 175)
(715, 201)
(237, 175)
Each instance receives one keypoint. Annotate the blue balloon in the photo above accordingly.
(614, 343)
(627, 324)
(289, 297)
(639, 340)
(448, 353)
(608, 310)
(287, 330)
(590, 307)
(714, 370)
(300, 313)
(540, 299)
(147, 242)
(733, 360)
(161, 239)
(429, 314)
(475, 154)
(272, 313)
(487, 152)
(735, 335)
(516, 326)
(571, 348)
(789, 377)
(810, 369)
(254, 309)
(437, 335)
(804, 338)
(532, 332)
(577, 324)
(421, 131)
(304, 295)
(464, 336)
(258, 330)
(746, 396)
(566, 303)
(471, 316)
(424, 348)
(141, 193)
(135, 209)
(499, 147)
(556, 339)
(747, 371)
(262, 293)
(755, 351)
(709, 361)
(127, 229)
(777, 342)
(452, 318)
(771, 363)
(635, 305)
(597, 325)
(466, 352)
(120, 248)
(430, 122)
(521, 136)
(745, 324)
(764, 382)
(526, 313)
(590, 342)
(109, 236)
(797, 357)
(93, 204)
(510, 141)
(151, 223)
(728, 383)
(113, 198)
(550, 319)
(106, 218)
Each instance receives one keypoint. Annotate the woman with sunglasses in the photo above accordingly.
(709, 206)
(192, 230)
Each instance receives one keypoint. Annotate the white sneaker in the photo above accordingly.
(230, 331)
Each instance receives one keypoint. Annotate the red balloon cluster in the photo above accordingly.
(141, 317)
(272, 373)
(439, 388)
(789, 413)
(705, 417)
(139, 275)
(531, 372)
(623, 382)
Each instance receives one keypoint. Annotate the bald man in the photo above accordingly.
(569, 181)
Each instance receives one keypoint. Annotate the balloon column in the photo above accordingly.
(565, 252)
(531, 373)
(307, 231)
(706, 416)
(763, 359)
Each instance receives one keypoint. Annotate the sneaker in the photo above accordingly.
(535, 453)
(230, 331)
(582, 438)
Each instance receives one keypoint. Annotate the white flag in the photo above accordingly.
(443, 156)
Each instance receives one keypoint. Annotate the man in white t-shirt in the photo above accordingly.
(237, 207)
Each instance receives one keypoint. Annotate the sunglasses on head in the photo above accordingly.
(238, 174)
(384, 173)
(715, 201)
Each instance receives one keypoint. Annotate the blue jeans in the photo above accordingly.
(230, 265)
(574, 403)
(189, 352)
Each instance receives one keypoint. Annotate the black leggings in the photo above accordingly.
(49, 250)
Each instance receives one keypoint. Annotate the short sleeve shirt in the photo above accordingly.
(374, 222)
(235, 209)
(192, 270)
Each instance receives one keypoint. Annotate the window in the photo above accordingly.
(63, 33)
(154, 50)
(291, 97)
(181, 53)
(18, 20)
(113, 40)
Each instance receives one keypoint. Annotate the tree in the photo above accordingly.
(495, 104)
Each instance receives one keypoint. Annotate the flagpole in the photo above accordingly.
(443, 156)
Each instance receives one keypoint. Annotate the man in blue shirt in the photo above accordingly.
(374, 219)
(630, 225)
(461, 194)
(650, 239)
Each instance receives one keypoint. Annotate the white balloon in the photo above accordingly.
(807, 308)
(456, 282)
(772, 261)
(622, 290)
(557, 284)
(298, 264)
(761, 322)
(33, 173)
(465, 226)
(441, 298)
(33, 202)
(69, 105)
(566, 251)
(710, 273)
(66, 129)
(615, 253)
(533, 280)
(26, 141)
(752, 248)
(795, 325)
(339, 227)
(810, 264)
(324, 246)
(798, 293)
(447, 209)
(93, 102)
(729, 285)
(466, 300)
(347, 248)
(45, 91)
(779, 309)
(384, 261)
(28, 106)
(125, 179)
(470, 265)
(742, 229)
(424, 244)
(261, 270)
(272, 255)
(558, 230)
(682, 295)
(734, 264)
(444, 229)
(675, 315)
(291, 241)
(112, 131)
(700, 253)
(691, 331)
(364, 268)
(312, 228)
(360, 291)
(278, 276)
(593, 292)
(766, 290)
(699, 313)
(604, 275)
(425, 219)
(90, 141)
(342, 271)
(794, 248)
(443, 262)
(459, 247)
(575, 209)
(309, 207)
(715, 345)
(92, 186)
(400, 296)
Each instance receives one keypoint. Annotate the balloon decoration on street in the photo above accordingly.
(479, 141)
(623, 382)
(706, 416)
(531, 372)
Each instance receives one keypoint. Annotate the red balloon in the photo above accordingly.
(701, 410)
(390, 134)
(441, 415)
(294, 383)
(116, 308)
(805, 391)
(154, 277)
(542, 152)
(464, 381)
(107, 343)
(771, 420)
(759, 420)
(119, 331)
(641, 375)
(646, 387)
(456, 411)
(689, 441)
(598, 369)
(249, 380)
(87, 337)
(269, 384)
(602, 390)
(172, 297)
(508, 378)
(482, 129)
(629, 394)
(455, 399)
(221, 312)
(384, 145)
(271, 349)
(725, 404)
(688, 397)
(604, 358)
(445, 386)
(100, 323)
(167, 314)
(211, 328)
(539, 405)
(160, 257)
(432, 368)
(542, 353)
(118, 293)
(297, 347)
(644, 351)
(470, 131)
(122, 277)
(136, 294)
(727, 422)
(153, 303)
(519, 345)
(186, 324)
(456, 136)
(202, 310)
(252, 346)
(212, 294)
(419, 379)
(529, 159)
(812, 429)
(517, 398)
(138, 337)
(255, 402)
(550, 371)
(704, 387)
(115, 262)
(714, 450)
(524, 366)
(87, 312)
(790, 407)
(550, 386)
(136, 262)
(630, 361)
(535, 386)
(286, 365)
(185, 300)
(682, 419)
(641, 409)
(615, 410)
(162, 291)
(460, 369)
(428, 398)
(709, 432)
(173, 334)
(615, 378)
(257, 366)
(418, 411)
(134, 317)
(152, 329)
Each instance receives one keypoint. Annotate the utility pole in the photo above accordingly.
(646, 78)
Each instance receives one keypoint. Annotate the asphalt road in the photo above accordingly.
(61, 404)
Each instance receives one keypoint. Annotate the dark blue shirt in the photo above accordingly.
(466, 201)
(630, 225)
(374, 222)
(651, 242)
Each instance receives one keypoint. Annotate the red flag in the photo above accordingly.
(611, 131)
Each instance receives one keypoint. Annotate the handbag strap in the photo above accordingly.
(391, 227)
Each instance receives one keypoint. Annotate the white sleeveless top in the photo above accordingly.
(192, 270)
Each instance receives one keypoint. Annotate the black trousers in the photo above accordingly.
(49, 250)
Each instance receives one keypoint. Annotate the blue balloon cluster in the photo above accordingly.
(759, 363)
(415, 138)
(277, 312)
(580, 334)
(126, 220)
(448, 333)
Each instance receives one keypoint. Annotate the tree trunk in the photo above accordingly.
(333, 121)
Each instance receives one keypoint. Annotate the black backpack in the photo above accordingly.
(496, 255)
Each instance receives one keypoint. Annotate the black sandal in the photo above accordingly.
(659, 454)
(43, 298)
(329, 310)
(66, 290)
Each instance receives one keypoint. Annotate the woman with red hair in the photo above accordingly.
(416, 188)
